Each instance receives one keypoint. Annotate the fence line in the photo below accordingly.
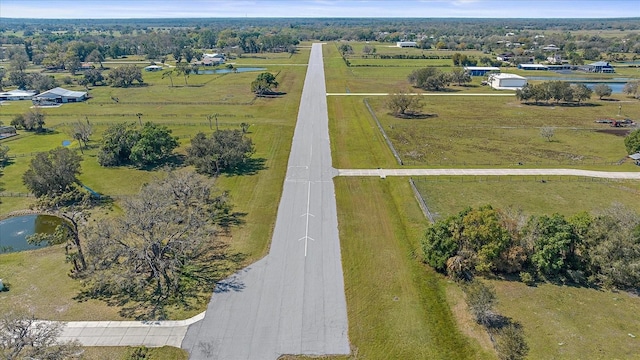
(421, 202)
(515, 178)
(384, 134)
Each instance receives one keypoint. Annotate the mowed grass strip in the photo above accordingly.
(397, 307)
(446, 196)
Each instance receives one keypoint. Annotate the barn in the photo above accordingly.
(507, 81)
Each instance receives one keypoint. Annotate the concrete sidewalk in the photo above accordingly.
(128, 333)
(489, 172)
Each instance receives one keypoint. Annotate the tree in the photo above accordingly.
(40, 82)
(345, 49)
(155, 144)
(263, 83)
(510, 343)
(631, 88)
(481, 299)
(22, 336)
(429, 78)
(547, 132)
(613, 248)
(223, 150)
(168, 74)
(185, 70)
(460, 76)
(95, 56)
(93, 76)
(404, 103)
(552, 239)
(81, 131)
(124, 76)
(484, 237)
(632, 142)
(4, 155)
(440, 243)
(602, 90)
(52, 173)
(591, 54)
(581, 92)
(117, 142)
(154, 250)
(525, 93)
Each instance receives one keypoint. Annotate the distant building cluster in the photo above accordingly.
(56, 95)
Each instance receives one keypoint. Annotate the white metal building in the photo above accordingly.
(402, 44)
(507, 81)
(17, 95)
(60, 95)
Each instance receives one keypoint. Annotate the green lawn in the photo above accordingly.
(272, 123)
(566, 195)
(564, 322)
(397, 307)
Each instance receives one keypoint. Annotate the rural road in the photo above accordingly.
(292, 301)
(489, 172)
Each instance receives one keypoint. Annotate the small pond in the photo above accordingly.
(15, 230)
(226, 71)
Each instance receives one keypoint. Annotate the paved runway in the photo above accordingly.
(292, 301)
(489, 172)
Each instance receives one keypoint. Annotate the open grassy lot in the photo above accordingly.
(183, 110)
(565, 195)
(564, 322)
(501, 131)
(397, 307)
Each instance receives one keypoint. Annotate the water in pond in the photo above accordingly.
(616, 84)
(226, 71)
(15, 230)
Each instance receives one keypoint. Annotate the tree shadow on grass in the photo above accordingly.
(250, 167)
(562, 104)
(172, 161)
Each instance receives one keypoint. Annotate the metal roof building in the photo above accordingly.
(480, 70)
(60, 95)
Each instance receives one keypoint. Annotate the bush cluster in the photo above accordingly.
(601, 249)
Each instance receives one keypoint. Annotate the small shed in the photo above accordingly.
(507, 81)
(60, 95)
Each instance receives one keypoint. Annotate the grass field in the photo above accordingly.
(564, 322)
(396, 306)
(565, 195)
(183, 110)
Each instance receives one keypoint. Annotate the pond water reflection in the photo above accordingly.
(15, 230)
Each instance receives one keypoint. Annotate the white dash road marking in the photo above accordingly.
(306, 236)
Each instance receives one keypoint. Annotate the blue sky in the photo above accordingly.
(70, 9)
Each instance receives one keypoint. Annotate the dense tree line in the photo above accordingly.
(431, 78)
(601, 248)
(555, 90)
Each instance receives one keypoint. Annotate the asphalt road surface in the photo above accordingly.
(292, 301)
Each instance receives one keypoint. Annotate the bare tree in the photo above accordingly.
(24, 337)
(404, 104)
(547, 132)
(152, 251)
(81, 131)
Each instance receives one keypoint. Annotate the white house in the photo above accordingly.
(507, 81)
(17, 95)
(153, 68)
(60, 95)
(402, 44)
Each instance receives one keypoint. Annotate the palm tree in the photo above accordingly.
(168, 74)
